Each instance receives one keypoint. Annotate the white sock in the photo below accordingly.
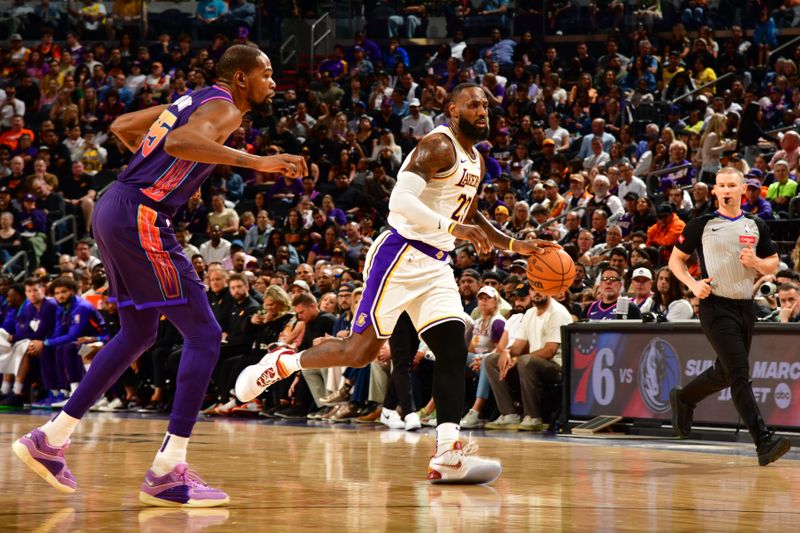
(18, 388)
(5, 388)
(291, 363)
(172, 452)
(59, 428)
(73, 387)
(446, 436)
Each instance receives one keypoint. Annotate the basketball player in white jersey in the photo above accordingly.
(433, 203)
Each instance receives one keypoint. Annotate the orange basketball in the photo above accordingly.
(551, 272)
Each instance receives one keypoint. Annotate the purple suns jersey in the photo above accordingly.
(164, 179)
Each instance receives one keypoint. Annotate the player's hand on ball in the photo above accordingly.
(473, 234)
(533, 246)
(702, 287)
(293, 166)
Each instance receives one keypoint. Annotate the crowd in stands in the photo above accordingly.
(609, 154)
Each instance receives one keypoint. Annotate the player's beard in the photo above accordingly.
(471, 131)
(260, 108)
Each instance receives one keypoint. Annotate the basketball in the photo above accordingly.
(551, 272)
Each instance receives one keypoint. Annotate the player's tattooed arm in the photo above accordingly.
(433, 154)
(130, 128)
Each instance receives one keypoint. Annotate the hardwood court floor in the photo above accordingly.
(285, 477)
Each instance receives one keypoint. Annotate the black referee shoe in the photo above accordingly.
(681, 414)
(772, 449)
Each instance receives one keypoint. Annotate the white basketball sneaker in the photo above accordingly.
(256, 378)
(462, 466)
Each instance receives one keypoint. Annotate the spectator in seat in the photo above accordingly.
(703, 203)
(224, 217)
(598, 130)
(216, 249)
(83, 255)
(534, 358)
(10, 238)
(394, 55)
(665, 232)
(789, 297)
(317, 326)
(235, 337)
(754, 203)
(79, 194)
(257, 238)
(668, 300)
(75, 318)
(10, 106)
(487, 330)
(128, 16)
(605, 307)
(207, 17)
(11, 137)
(641, 286)
(409, 17)
(783, 189)
(789, 152)
(93, 19)
(34, 320)
(501, 50)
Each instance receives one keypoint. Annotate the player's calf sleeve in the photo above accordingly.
(446, 341)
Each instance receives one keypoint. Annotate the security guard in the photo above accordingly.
(732, 246)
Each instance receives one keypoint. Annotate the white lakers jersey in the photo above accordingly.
(449, 194)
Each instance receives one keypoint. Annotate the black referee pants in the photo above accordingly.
(728, 326)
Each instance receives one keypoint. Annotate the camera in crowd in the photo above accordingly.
(768, 289)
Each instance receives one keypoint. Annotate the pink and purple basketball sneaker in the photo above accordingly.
(179, 488)
(46, 460)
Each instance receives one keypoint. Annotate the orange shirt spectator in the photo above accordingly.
(11, 137)
(666, 231)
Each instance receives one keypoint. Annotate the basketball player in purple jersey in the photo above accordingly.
(434, 202)
(175, 148)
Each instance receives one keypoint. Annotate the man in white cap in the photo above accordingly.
(415, 125)
(641, 287)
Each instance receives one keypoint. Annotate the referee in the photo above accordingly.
(732, 246)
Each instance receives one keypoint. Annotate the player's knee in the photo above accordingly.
(212, 334)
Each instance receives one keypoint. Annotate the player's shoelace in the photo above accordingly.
(471, 448)
(190, 477)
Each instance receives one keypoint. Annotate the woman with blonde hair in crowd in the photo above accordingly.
(712, 144)
(487, 331)
(328, 303)
(338, 131)
(386, 140)
(520, 218)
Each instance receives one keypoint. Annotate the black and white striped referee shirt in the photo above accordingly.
(718, 241)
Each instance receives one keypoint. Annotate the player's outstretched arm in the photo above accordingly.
(503, 241)
(131, 127)
(500, 239)
(201, 139)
